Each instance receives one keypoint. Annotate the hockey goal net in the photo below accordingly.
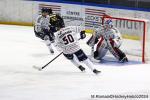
(136, 37)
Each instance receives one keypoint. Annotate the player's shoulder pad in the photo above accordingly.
(39, 18)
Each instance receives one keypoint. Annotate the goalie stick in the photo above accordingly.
(40, 68)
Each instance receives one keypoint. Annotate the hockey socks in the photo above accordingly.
(48, 43)
(88, 63)
(76, 62)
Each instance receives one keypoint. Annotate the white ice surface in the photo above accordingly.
(61, 80)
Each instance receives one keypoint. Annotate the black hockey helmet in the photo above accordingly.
(57, 22)
(44, 10)
(49, 10)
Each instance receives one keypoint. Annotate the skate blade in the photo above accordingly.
(36, 67)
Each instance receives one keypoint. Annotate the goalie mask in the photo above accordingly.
(108, 24)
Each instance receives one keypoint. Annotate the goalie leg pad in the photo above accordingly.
(116, 51)
(122, 56)
(101, 49)
(95, 54)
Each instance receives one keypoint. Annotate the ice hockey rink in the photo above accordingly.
(61, 80)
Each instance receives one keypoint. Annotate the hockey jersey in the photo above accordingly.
(42, 23)
(67, 38)
(112, 33)
(108, 33)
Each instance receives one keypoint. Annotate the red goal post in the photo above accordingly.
(145, 35)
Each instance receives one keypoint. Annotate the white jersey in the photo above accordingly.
(112, 33)
(42, 23)
(67, 39)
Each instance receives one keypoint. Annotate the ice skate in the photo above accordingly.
(96, 71)
(81, 68)
(51, 51)
(125, 59)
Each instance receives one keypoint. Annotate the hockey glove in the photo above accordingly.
(82, 34)
(46, 31)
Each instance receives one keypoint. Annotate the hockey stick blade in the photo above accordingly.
(38, 68)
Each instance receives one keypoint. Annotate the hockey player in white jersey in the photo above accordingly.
(107, 38)
(66, 40)
(42, 28)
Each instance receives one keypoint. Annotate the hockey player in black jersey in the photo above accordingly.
(53, 20)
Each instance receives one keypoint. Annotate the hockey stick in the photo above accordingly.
(40, 68)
